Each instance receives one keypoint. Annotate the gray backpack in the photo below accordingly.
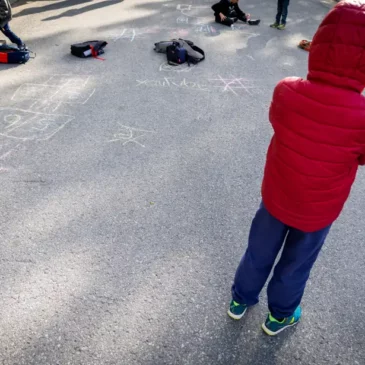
(194, 53)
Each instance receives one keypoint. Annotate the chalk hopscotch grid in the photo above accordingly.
(32, 92)
(31, 123)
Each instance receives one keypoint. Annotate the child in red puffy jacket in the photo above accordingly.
(312, 160)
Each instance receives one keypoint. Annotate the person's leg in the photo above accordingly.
(284, 11)
(243, 18)
(266, 238)
(279, 12)
(228, 21)
(11, 35)
(287, 285)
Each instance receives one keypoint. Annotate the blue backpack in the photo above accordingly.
(176, 54)
(180, 51)
(11, 54)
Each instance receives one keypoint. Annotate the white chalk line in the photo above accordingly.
(129, 138)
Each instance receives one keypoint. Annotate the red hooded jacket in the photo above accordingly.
(319, 126)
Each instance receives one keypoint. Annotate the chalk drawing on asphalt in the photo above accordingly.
(128, 134)
(57, 90)
(170, 82)
(78, 81)
(182, 20)
(234, 85)
(192, 11)
(26, 125)
(182, 68)
(34, 117)
(62, 94)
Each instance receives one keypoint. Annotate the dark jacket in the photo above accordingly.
(5, 12)
(226, 7)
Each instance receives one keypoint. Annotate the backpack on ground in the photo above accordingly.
(179, 51)
(88, 49)
(11, 54)
(161, 47)
(176, 55)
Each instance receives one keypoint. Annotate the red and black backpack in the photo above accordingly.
(88, 49)
(10, 54)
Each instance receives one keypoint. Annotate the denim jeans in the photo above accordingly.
(282, 11)
(12, 36)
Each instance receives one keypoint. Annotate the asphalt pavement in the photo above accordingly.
(128, 187)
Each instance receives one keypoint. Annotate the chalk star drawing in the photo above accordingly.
(129, 135)
(233, 84)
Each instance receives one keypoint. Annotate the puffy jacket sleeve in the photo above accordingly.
(283, 94)
(361, 160)
(275, 102)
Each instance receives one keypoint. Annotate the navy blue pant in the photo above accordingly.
(286, 287)
(12, 36)
(282, 11)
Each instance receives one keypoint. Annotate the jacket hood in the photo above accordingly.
(337, 53)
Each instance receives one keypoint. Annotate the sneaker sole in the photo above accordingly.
(271, 333)
(236, 316)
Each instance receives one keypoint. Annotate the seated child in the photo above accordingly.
(228, 12)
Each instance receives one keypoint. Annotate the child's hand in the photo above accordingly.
(223, 17)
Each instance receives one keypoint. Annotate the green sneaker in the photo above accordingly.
(272, 326)
(236, 310)
(275, 25)
(281, 27)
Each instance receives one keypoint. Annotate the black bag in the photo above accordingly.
(88, 49)
(179, 51)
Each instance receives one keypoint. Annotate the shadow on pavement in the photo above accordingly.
(57, 5)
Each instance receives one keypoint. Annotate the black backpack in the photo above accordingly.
(88, 49)
(179, 51)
